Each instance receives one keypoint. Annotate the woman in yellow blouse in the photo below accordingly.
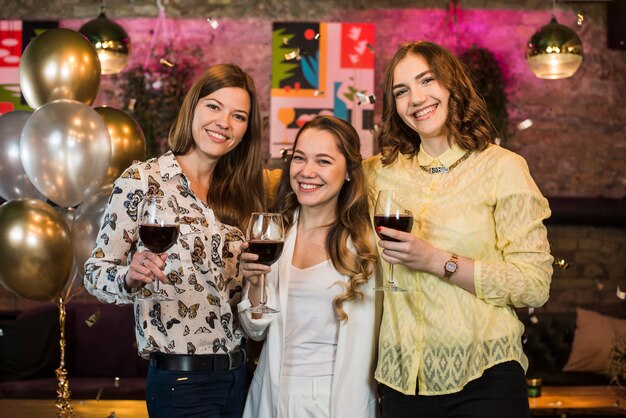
(451, 344)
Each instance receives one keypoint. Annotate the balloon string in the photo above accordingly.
(63, 391)
(155, 33)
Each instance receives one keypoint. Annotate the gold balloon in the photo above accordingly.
(59, 64)
(36, 256)
(127, 141)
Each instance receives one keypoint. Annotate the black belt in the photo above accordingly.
(199, 362)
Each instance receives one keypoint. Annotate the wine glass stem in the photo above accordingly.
(262, 301)
(390, 281)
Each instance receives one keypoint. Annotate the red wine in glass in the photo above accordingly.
(389, 213)
(265, 235)
(401, 222)
(267, 250)
(158, 238)
(158, 231)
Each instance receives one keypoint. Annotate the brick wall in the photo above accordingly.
(576, 146)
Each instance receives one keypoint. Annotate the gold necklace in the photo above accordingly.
(444, 169)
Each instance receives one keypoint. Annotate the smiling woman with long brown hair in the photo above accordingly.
(450, 345)
(213, 170)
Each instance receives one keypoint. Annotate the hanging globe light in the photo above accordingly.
(110, 40)
(554, 52)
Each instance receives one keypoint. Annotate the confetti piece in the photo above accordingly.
(116, 382)
(213, 22)
(561, 263)
(91, 321)
(534, 320)
(1, 333)
(525, 124)
(285, 41)
(599, 284)
(317, 93)
(370, 47)
(99, 394)
(365, 99)
(317, 36)
(131, 104)
(620, 293)
(497, 141)
(293, 54)
(166, 63)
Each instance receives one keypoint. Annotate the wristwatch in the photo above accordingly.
(451, 266)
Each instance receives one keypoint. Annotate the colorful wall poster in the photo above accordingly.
(321, 68)
(14, 37)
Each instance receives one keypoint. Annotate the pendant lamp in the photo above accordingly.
(554, 52)
(110, 40)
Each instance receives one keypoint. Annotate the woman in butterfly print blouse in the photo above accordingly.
(451, 344)
(214, 170)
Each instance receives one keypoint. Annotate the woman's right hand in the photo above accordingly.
(144, 268)
(252, 271)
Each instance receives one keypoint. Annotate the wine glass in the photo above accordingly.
(158, 231)
(390, 214)
(265, 237)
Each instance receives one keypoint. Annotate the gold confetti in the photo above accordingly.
(293, 54)
(561, 263)
(285, 41)
(365, 99)
(620, 293)
(131, 104)
(166, 63)
(525, 124)
(317, 93)
(213, 22)
(91, 321)
(580, 18)
(533, 319)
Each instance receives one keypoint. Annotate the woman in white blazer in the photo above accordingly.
(320, 362)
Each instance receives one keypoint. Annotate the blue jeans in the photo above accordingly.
(174, 394)
(500, 392)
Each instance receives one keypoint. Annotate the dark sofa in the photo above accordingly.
(548, 343)
(101, 355)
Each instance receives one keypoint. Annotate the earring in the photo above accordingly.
(347, 177)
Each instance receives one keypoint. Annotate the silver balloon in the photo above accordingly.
(87, 221)
(14, 182)
(65, 149)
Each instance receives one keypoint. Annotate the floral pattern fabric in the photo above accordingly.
(202, 267)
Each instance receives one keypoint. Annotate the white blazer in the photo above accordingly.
(353, 389)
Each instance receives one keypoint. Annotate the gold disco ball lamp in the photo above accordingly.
(555, 51)
(110, 40)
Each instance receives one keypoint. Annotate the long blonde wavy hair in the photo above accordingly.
(352, 224)
(468, 121)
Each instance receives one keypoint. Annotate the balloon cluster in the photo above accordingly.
(65, 152)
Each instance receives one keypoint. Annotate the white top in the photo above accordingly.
(312, 328)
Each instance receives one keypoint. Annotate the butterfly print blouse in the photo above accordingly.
(202, 267)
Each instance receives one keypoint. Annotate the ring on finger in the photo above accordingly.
(143, 262)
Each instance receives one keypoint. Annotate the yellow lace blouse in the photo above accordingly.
(489, 209)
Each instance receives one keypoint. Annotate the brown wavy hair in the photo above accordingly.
(352, 221)
(468, 121)
(236, 188)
